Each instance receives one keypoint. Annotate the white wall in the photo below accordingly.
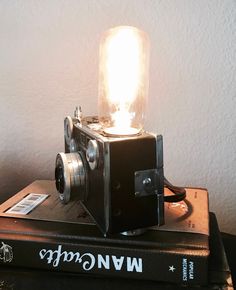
(48, 64)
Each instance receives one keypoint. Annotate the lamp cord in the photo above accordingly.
(179, 192)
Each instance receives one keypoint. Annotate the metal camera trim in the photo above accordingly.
(92, 154)
(74, 175)
(68, 129)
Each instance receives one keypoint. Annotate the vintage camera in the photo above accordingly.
(110, 163)
(118, 180)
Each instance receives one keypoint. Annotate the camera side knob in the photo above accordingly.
(92, 154)
(68, 128)
(70, 176)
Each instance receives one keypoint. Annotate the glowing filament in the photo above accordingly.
(122, 78)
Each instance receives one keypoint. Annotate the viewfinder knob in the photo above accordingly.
(92, 154)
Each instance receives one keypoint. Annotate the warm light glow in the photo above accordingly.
(123, 65)
(122, 124)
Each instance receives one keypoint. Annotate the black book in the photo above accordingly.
(64, 239)
(219, 276)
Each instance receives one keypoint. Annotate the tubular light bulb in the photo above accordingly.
(123, 80)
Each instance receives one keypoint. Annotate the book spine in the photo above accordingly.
(184, 267)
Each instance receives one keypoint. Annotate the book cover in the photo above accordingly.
(63, 238)
(219, 276)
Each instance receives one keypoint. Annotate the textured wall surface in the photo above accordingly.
(49, 64)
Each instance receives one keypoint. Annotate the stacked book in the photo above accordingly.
(44, 244)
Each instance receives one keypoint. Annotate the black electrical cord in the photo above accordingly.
(179, 192)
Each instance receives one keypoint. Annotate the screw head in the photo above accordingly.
(147, 181)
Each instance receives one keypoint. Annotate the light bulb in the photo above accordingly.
(123, 80)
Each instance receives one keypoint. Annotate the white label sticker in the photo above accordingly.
(27, 204)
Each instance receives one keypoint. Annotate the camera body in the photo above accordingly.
(118, 180)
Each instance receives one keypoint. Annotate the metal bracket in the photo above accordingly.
(145, 182)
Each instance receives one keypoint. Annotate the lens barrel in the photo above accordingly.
(70, 176)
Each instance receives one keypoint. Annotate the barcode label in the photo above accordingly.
(27, 204)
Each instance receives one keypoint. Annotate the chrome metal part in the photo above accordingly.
(68, 128)
(78, 114)
(70, 175)
(73, 146)
(92, 154)
(133, 233)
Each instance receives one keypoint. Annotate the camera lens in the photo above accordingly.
(60, 183)
(70, 176)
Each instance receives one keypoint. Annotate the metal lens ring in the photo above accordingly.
(70, 175)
